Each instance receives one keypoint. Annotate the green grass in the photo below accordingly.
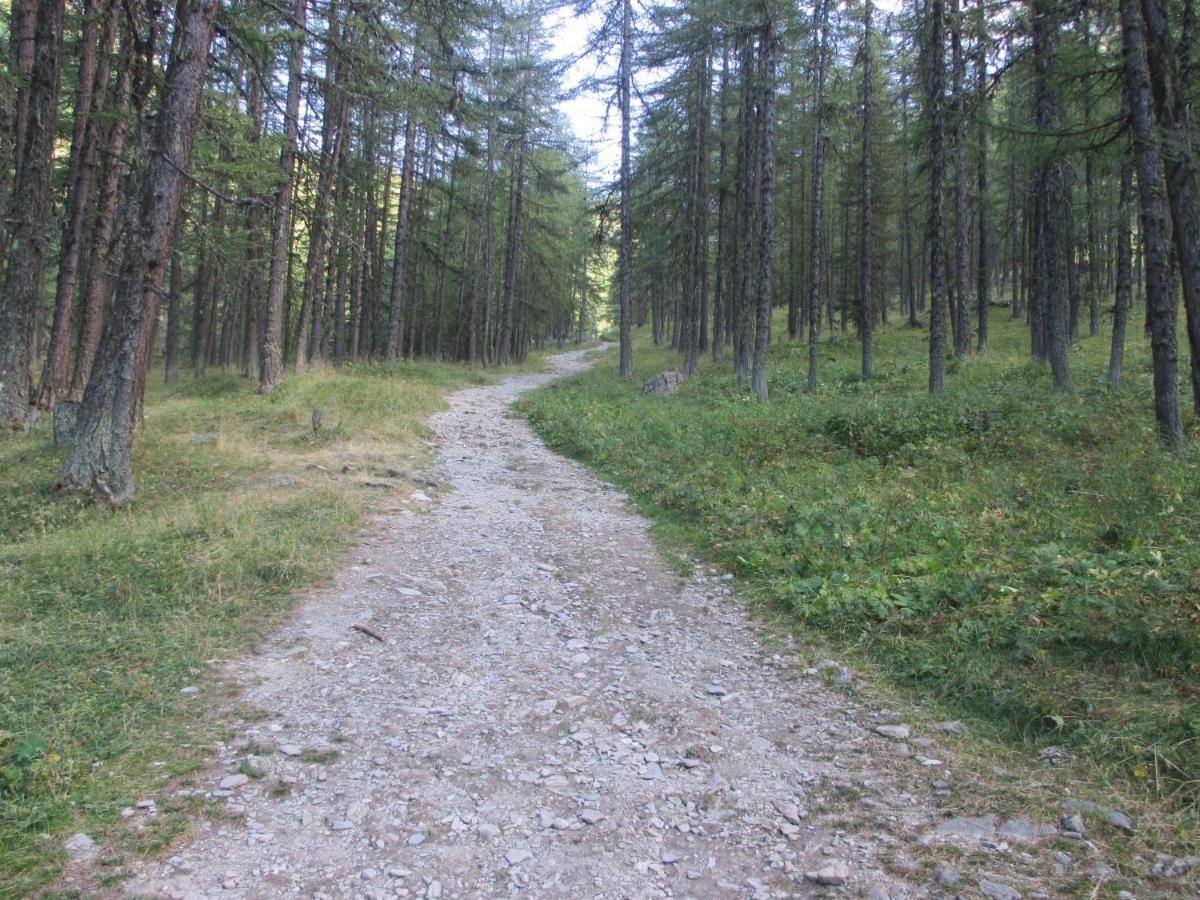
(106, 615)
(1027, 559)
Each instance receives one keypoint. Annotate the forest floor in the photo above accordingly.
(109, 620)
(512, 690)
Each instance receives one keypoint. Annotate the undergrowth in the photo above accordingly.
(1027, 558)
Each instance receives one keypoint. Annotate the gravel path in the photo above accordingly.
(552, 712)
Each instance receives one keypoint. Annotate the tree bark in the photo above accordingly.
(1052, 242)
(94, 52)
(961, 318)
(766, 241)
(1160, 299)
(935, 73)
(1124, 288)
(625, 249)
(821, 38)
(1170, 86)
(399, 294)
(271, 344)
(99, 460)
(31, 211)
(103, 240)
(983, 269)
(866, 316)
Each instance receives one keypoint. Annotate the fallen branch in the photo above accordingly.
(415, 479)
(370, 632)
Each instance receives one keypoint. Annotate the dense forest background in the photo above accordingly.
(256, 186)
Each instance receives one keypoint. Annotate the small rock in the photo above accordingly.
(420, 497)
(841, 675)
(997, 890)
(947, 875)
(892, 732)
(975, 827)
(1073, 823)
(1025, 831)
(290, 749)
(199, 439)
(715, 690)
(951, 726)
(229, 782)
(416, 839)
(189, 690)
(79, 846)
(590, 816)
(1167, 866)
(832, 873)
(488, 831)
(670, 857)
(341, 825)
(1111, 816)
(663, 385)
(789, 811)
(517, 855)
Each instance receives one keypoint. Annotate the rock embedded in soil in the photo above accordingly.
(831, 874)
(997, 890)
(79, 846)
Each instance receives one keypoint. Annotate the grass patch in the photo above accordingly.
(105, 616)
(1025, 558)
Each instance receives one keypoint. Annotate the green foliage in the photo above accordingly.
(1026, 557)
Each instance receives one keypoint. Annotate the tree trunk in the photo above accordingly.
(271, 345)
(103, 241)
(866, 317)
(1052, 243)
(961, 318)
(94, 52)
(821, 38)
(935, 73)
(399, 295)
(721, 288)
(512, 248)
(31, 211)
(983, 271)
(625, 249)
(1170, 84)
(1160, 299)
(766, 241)
(1124, 291)
(174, 292)
(99, 460)
(332, 139)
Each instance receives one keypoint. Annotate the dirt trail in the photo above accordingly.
(554, 712)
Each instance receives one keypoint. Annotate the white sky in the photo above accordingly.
(586, 111)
